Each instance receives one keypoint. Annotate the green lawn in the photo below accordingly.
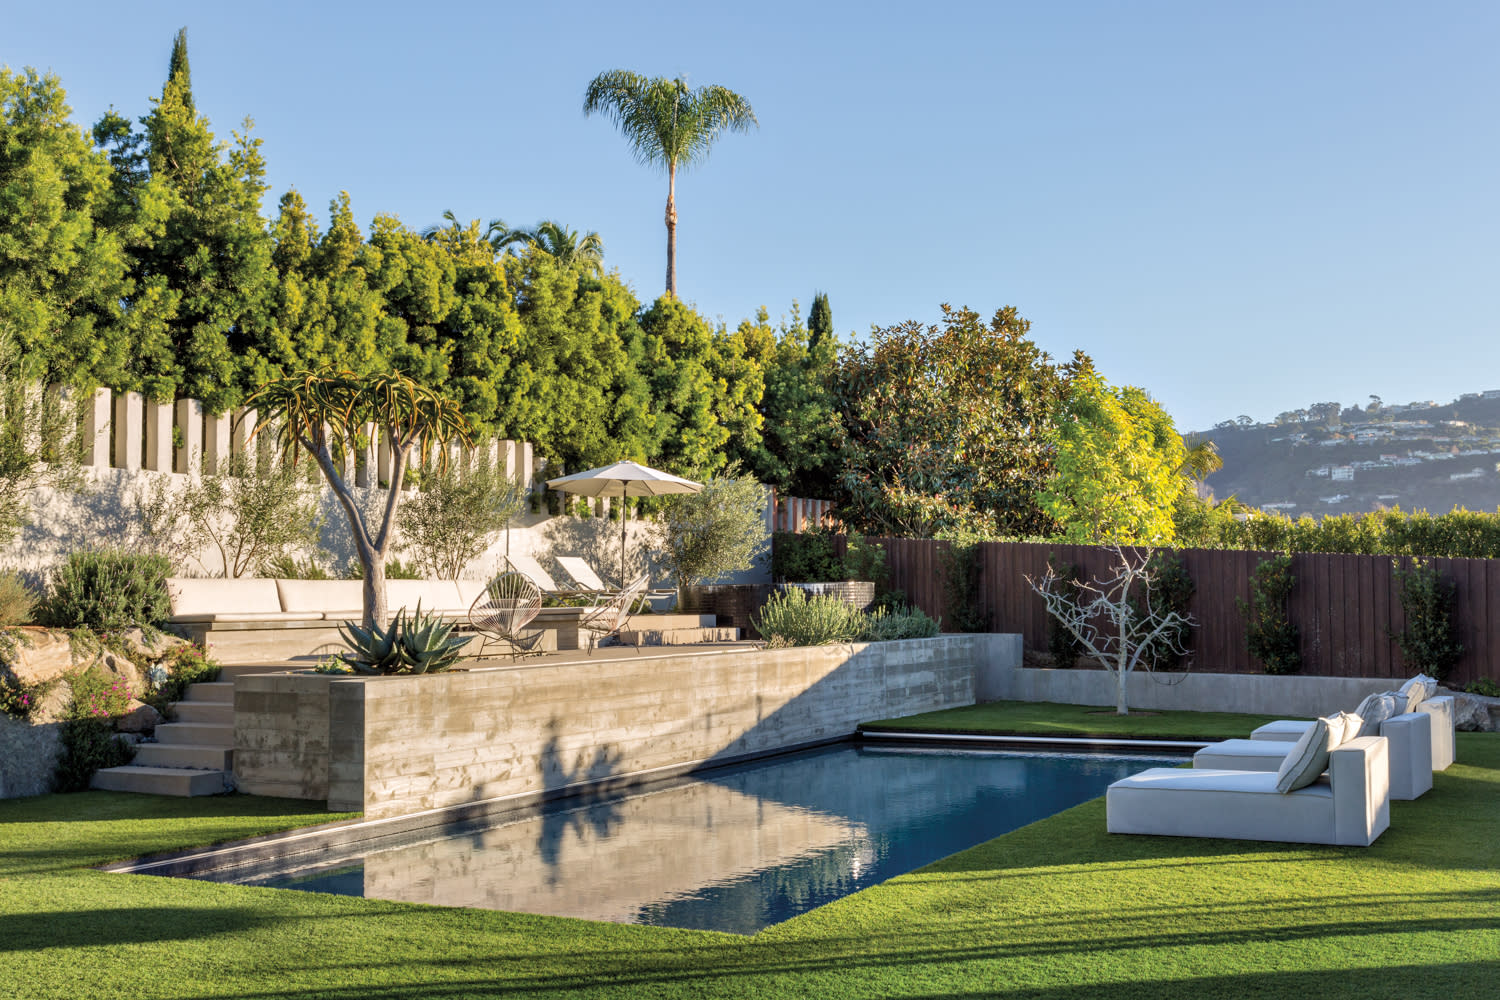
(1056, 910)
(1026, 718)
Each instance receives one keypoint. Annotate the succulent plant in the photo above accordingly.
(373, 650)
(428, 644)
(413, 644)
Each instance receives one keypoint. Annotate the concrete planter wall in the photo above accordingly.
(396, 745)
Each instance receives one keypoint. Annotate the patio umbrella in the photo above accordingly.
(623, 479)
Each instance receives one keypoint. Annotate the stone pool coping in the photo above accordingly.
(309, 840)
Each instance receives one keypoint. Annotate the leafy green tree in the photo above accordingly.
(416, 281)
(250, 515)
(1119, 466)
(720, 530)
(203, 271)
(62, 265)
(946, 427)
(667, 124)
(801, 430)
(455, 517)
(820, 320)
(678, 347)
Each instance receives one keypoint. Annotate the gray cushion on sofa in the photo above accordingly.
(1308, 759)
(1376, 708)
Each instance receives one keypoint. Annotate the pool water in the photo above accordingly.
(733, 849)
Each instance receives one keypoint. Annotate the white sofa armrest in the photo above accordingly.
(1442, 712)
(1359, 772)
(1410, 751)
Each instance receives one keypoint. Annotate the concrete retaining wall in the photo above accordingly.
(1192, 692)
(396, 745)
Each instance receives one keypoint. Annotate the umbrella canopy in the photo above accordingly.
(623, 479)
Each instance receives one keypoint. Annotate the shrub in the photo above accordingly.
(456, 516)
(289, 567)
(793, 618)
(98, 695)
(183, 665)
(109, 590)
(1270, 635)
(961, 568)
(1484, 687)
(17, 601)
(87, 746)
(812, 557)
(395, 569)
(1172, 588)
(20, 700)
(1062, 644)
(886, 625)
(1427, 643)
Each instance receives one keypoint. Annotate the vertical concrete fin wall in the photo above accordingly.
(397, 745)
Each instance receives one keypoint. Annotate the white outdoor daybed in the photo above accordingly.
(1410, 752)
(1441, 710)
(1349, 805)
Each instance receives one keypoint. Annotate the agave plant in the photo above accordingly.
(428, 644)
(373, 650)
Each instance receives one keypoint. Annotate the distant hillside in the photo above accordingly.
(1332, 460)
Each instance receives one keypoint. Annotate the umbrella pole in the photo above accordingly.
(622, 536)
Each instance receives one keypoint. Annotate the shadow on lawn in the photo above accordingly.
(124, 926)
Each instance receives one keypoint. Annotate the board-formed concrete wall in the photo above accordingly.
(396, 745)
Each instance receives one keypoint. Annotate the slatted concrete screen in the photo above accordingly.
(1347, 607)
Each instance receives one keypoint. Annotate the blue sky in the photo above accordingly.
(1244, 208)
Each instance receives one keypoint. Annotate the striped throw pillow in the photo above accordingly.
(1307, 760)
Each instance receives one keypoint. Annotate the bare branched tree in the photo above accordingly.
(1118, 621)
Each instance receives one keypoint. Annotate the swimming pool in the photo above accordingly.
(733, 849)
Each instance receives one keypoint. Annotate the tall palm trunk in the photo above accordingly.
(671, 230)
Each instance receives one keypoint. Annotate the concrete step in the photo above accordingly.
(229, 671)
(192, 755)
(160, 780)
(220, 692)
(212, 712)
(677, 636)
(198, 733)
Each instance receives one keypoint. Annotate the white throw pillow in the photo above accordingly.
(1353, 727)
(1336, 726)
(1375, 709)
(1307, 759)
(1418, 690)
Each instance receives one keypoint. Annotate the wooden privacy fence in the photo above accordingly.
(1347, 607)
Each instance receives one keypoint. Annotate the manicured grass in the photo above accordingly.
(1028, 718)
(1057, 910)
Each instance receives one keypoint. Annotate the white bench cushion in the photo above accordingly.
(192, 597)
(319, 596)
(433, 595)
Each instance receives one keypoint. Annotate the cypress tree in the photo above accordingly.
(178, 71)
(819, 320)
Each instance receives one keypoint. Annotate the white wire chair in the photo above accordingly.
(509, 603)
(609, 619)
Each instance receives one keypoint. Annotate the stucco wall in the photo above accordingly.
(397, 745)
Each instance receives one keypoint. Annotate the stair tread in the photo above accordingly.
(164, 771)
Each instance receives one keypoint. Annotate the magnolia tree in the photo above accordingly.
(326, 413)
(1123, 621)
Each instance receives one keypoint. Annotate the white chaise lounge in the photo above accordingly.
(1349, 805)
(1409, 749)
(1440, 709)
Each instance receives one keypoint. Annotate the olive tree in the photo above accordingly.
(325, 413)
(455, 516)
(717, 531)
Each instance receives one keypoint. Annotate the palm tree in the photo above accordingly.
(667, 124)
(1202, 460)
(568, 248)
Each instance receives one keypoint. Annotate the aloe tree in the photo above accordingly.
(667, 124)
(326, 412)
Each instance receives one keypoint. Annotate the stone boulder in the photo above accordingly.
(139, 717)
(41, 655)
(142, 651)
(1474, 713)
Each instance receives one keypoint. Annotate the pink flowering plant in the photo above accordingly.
(98, 694)
(20, 700)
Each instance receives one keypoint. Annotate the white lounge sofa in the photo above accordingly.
(1409, 751)
(1440, 709)
(1350, 805)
